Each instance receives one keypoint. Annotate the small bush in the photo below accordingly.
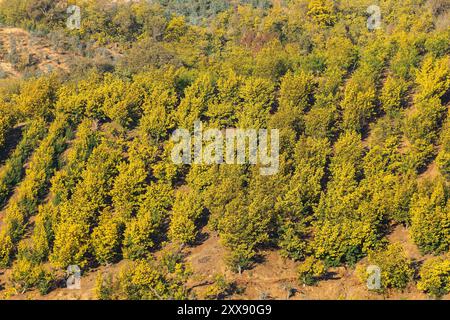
(104, 287)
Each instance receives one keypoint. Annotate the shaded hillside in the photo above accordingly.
(90, 184)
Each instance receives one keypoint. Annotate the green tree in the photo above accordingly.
(322, 12)
(435, 276)
(430, 218)
(106, 238)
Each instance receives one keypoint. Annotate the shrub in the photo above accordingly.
(104, 287)
(12, 171)
(435, 276)
(293, 240)
(143, 280)
(140, 233)
(26, 276)
(396, 270)
(430, 218)
(186, 211)
(107, 238)
(393, 95)
(219, 289)
(6, 249)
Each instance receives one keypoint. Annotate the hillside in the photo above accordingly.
(355, 120)
(36, 53)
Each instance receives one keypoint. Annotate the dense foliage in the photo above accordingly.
(362, 116)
